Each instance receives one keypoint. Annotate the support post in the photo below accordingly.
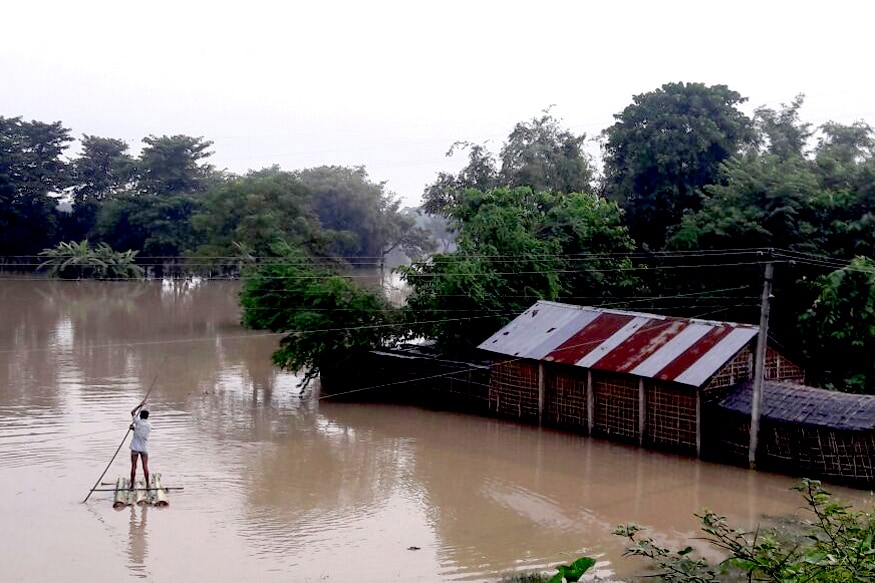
(760, 365)
(541, 392)
(642, 411)
(590, 403)
(698, 423)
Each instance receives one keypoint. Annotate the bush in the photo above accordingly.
(835, 544)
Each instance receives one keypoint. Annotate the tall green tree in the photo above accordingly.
(782, 133)
(103, 170)
(174, 164)
(664, 148)
(362, 221)
(516, 246)
(539, 154)
(329, 319)
(254, 212)
(32, 174)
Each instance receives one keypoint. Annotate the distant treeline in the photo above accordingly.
(170, 202)
(692, 196)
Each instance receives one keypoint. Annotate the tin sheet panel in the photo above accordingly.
(540, 324)
(672, 349)
(712, 360)
(562, 333)
(650, 339)
(591, 360)
(588, 338)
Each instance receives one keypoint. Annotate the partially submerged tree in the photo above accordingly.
(328, 319)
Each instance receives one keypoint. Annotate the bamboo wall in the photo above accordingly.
(801, 450)
(741, 368)
(670, 409)
(565, 405)
(513, 389)
(671, 417)
(615, 404)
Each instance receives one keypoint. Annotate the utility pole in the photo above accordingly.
(760, 365)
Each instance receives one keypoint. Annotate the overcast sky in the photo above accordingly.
(390, 85)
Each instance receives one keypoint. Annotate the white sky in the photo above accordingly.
(391, 85)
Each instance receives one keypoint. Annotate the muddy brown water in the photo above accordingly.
(280, 488)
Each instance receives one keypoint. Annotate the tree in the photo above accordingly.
(543, 156)
(173, 165)
(329, 319)
(664, 148)
(256, 211)
(361, 220)
(539, 154)
(515, 246)
(102, 171)
(782, 133)
(31, 174)
(760, 201)
(839, 328)
(157, 226)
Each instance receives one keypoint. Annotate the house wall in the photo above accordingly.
(670, 409)
(741, 368)
(615, 406)
(565, 403)
(513, 389)
(801, 450)
(671, 416)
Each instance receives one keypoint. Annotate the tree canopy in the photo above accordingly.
(538, 154)
(666, 146)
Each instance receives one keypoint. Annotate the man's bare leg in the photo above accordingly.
(145, 458)
(133, 469)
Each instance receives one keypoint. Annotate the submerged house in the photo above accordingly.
(803, 431)
(640, 378)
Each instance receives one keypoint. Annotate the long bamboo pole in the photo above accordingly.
(125, 438)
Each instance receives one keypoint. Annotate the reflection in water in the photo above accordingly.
(279, 488)
(137, 540)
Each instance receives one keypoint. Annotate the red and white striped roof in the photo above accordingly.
(647, 345)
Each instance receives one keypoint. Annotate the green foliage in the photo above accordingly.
(574, 571)
(834, 545)
(538, 154)
(839, 328)
(329, 319)
(256, 211)
(515, 246)
(174, 164)
(81, 261)
(31, 173)
(360, 219)
(665, 147)
(159, 226)
(764, 201)
(782, 133)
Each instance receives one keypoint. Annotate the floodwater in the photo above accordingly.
(289, 489)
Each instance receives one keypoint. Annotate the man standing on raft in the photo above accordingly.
(140, 442)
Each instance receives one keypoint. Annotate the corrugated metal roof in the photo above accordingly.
(648, 345)
(786, 402)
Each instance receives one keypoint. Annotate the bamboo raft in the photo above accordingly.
(154, 494)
